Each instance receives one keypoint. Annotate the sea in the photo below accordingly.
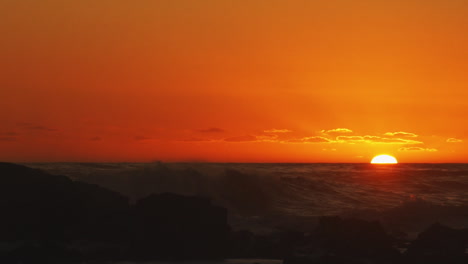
(268, 197)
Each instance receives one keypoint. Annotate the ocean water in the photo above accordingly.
(268, 196)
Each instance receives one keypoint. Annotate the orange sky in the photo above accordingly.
(233, 80)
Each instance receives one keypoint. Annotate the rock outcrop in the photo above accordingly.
(53, 219)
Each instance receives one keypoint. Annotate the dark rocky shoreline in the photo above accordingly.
(52, 219)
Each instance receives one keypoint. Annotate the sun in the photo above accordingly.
(384, 159)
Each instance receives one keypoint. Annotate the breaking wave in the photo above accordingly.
(407, 196)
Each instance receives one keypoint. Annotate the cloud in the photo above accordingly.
(274, 130)
(375, 139)
(417, 149)
(212, 130)
(337, 131)
(309, 140)
(267, 138)
(246, 138)
(350, 138)
(274, 135)
(197, 139)
(454, 140)
(400, 134)
(393, 140)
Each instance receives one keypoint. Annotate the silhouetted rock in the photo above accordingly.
(241, 244)
(52, 218)
(34, 254)
(354, 238)
(172, 226)
(43, 213)
(39, 206)
(439, 244)
(277, 245)
(332, 259)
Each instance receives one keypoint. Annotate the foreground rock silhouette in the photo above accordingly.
(52, 219)
(37, 206)
(349, 241)
(338, 240)
(176, 227)
(439, 244)
(354, 237)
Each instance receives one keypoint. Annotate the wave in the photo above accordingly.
(261, 192)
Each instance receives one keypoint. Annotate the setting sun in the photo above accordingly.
(384, 159)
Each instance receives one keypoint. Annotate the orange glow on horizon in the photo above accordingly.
(233, 81)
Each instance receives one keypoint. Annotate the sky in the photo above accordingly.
(233, 80)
